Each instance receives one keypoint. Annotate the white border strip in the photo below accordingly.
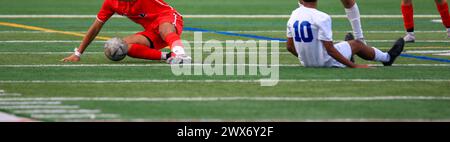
(195, 99)
(212, 16)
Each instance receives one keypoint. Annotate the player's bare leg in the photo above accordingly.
(374, 54)
(140, 47)
(364, 51)
(169, 33)
(442, 7)
(408, 20)
(353, 15)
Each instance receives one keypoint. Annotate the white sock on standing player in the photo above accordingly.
(355, 20)
(380, 56)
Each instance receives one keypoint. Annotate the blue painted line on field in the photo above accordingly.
(425, 58)
(234, 34)
(284, 40)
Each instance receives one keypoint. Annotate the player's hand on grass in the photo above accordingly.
(71, 58)
(361, 66)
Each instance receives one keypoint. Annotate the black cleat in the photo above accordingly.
(349, 36)
(395, 51)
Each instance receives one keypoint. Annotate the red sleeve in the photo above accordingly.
(105, 12)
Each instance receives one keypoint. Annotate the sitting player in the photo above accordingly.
(163, 27)
(310, 39)
(408, 17)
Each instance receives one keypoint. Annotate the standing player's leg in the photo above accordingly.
(353, 15)
(408, 20)
(168, 32)
(442, 7)
(140, 47)
(374, 54)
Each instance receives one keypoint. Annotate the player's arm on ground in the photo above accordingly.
(90, 36)
(290, 40)
(291, 47)
(333, 52)
(106, 11)
(326, 37)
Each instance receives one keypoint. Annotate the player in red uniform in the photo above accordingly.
(163, 27)
(408, 17)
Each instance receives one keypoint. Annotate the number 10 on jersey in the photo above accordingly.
(300, 31)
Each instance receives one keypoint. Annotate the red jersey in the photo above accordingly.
(143, 12)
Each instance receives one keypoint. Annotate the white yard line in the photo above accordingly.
(443, 54)
(47, 110)
(212, 16)
(195, 99)
(68, 117)
(9, 94)
(436, 21)
(7, 103)
(57, 111)
(3, 94)
(21, 107)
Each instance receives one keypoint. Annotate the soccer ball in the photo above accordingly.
(116, 49)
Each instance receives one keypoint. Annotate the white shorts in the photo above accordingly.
(346, 50)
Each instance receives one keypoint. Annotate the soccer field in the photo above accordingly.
(34, 83)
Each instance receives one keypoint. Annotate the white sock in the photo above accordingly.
(178, 50)
(355, 20)
(163, 55)
(380, 56)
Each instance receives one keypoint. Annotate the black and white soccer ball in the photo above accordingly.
(116, 49)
